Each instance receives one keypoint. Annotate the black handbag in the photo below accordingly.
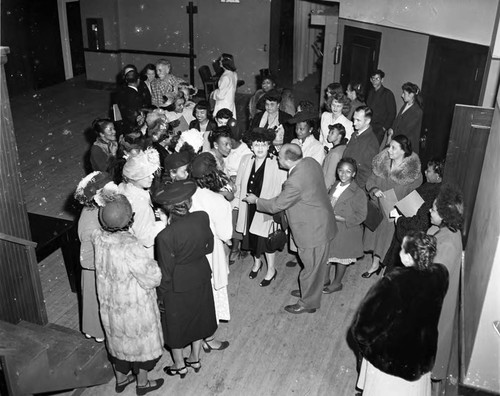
(374, 216)
(276, 239)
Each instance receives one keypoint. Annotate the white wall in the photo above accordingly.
(464, 20)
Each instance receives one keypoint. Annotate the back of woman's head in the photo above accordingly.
(179, 209)
(437, 165)
(450, 207)
(100, 124)
(224, 113)
(421, 247)
(227, 62)
(405, 144)
(359, 90)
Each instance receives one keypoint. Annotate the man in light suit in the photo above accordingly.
(310, 215)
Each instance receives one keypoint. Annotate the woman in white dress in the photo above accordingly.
(334, 115)
(219, 210)
(227, 84)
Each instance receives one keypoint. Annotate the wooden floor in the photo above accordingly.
(272, 352)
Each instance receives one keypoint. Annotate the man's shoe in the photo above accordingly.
(298, 309)
(296, 293)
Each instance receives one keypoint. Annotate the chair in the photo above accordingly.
(209, 81)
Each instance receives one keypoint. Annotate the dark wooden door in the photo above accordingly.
(281, 42)
(469, 135)
(453, 75)
(75, 37)
(360, 57)
(45, 43)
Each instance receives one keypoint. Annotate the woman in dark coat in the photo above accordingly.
(185, 290)
(396, 325)
(408, 122)
(275, 119)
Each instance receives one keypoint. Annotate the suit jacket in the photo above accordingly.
(305, 200)
(363, 149)
(130, 102)
(282, 118)
(409, 124)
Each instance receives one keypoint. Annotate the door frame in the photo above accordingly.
(65, 43)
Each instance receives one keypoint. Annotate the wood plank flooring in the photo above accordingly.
(271, 352)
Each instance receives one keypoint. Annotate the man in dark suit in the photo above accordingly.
(310, 215)
(363, 145)
(381, 101)
(129, 102)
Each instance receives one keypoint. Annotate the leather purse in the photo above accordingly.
(374, 216)
(276, 239)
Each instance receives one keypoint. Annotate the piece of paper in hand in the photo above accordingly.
(410, 204)
(388, 202)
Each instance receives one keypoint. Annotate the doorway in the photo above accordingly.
(453, 75)
(281, 41)
(75, 37)
(360, 57)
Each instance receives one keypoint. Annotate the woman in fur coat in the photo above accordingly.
(126, 279)
(396, 167)
(396, 325)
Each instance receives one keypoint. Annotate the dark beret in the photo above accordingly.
(174, 193)
(176, 160)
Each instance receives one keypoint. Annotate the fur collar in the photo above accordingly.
(408, 172)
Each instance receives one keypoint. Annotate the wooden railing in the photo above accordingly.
(26, 299)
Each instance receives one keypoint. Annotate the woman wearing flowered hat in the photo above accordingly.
(137, 179)
(91, 192)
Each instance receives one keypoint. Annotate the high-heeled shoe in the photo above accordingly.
(208, 348)
(196, 366)
(253, 274)
(267, 282)
(170, 370)
(367, 274)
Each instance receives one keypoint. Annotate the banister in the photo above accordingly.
(16, 240)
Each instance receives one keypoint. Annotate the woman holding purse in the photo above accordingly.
(259, 174)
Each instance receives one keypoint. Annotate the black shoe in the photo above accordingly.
(267, 282)
(208, 348)
(291, 264)
(367, 274)
(142, 390)
(253, 274)
(196, 366)
(298, 309)
(169, 370)
(233, 256)
(119, 388)
(296, 293)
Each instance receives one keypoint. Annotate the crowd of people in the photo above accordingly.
(177, 195)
